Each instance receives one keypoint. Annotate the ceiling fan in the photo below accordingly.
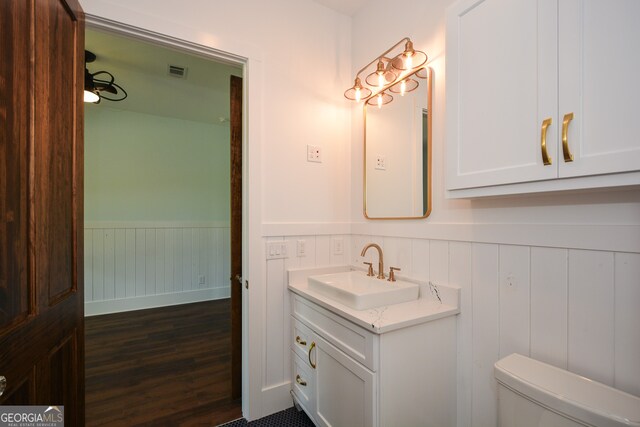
(101, 84)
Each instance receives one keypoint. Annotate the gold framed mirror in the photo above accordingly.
(397, 152)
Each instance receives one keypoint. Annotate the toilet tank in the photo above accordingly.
(535, 394)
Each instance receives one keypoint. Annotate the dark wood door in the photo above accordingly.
(41, 169)
(236, 236)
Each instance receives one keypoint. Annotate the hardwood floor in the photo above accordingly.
(168, 366)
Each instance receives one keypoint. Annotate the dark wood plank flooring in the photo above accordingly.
(168, 366)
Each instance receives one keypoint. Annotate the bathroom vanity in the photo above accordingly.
(380, 366)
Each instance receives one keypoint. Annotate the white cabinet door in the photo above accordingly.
(501, 86)
(345, 390)
(599, 83)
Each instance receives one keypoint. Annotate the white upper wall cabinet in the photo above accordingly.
(599, 82)
(516, 69)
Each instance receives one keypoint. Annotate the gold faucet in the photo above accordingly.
(380, 260)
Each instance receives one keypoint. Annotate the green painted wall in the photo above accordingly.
(140, 167)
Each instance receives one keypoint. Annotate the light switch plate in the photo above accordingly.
(277, 250)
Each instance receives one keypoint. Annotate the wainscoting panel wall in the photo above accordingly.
(319, 251)
(576, 309)
(131, 266)
(572, 308)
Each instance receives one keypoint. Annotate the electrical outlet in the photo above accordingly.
(381, 163)
(201, 279)
(314, 153)
(301, 248)
(338, 245)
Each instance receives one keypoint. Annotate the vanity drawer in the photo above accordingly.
(353, 340)
(303, 383)
(301, 340)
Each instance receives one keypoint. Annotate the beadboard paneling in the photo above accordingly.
(485, 332)
(549, 305)
(514, 303)
(136, 268)
(572, 308)
(627, 319)
(591, 315)
(277, 325)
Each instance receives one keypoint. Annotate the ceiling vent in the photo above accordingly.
(177, 71)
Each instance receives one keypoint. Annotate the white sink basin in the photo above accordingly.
(357, 290)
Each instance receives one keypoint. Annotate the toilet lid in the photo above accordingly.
(567, 393)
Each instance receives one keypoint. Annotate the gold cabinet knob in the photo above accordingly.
(301, 381)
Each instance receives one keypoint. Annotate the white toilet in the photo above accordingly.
(534, 394)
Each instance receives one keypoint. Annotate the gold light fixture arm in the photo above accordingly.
(382, 55)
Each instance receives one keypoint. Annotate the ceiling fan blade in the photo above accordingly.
(107, 88)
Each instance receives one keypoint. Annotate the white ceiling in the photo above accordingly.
(347, 7)
(141, 69)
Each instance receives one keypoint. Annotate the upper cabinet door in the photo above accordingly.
(501, 85)
(599, 84)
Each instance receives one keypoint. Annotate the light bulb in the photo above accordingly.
(90, 96)
(358, 94)
(380, 79)
(403, 87)
(408, 62)
(379, 100)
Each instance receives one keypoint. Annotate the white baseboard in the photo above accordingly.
(276, 398)
(95, 308)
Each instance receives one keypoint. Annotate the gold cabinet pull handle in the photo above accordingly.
(300, 381)
(300, 341)
(568, 157)
(313, 344)
(543, 141)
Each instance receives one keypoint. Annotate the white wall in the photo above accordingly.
(298, 63)
(143, 167)
(300, 58)
(157, 200)
(548, 275)
(305, 51)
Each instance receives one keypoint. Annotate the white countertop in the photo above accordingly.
(435, 302)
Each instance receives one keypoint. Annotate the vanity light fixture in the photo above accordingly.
(380, 99)
(388, 72)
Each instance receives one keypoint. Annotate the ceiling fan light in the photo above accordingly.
(90, 96)
(94, 86)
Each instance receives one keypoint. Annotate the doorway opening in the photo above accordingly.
(163, 249)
